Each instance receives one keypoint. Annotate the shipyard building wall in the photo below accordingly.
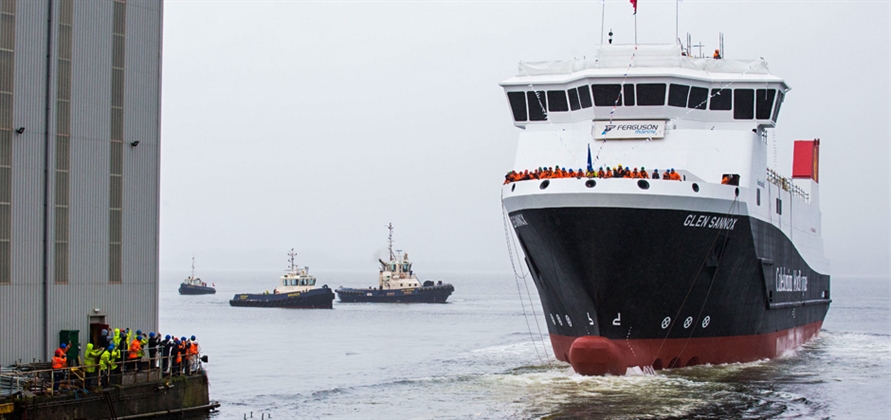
(80, 85)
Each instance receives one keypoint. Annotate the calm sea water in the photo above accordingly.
(474, 357)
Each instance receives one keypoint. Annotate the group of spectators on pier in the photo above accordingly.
(124, 350)
(608, 172)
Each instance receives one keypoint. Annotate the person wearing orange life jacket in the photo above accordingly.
(60, 361)
(674, 176)
(643, 173)
(627, 174)
(725, 179)
(635, 174)
(184, 354)
(601, 173)
(609, 172)
(134, 354)
(193, 354)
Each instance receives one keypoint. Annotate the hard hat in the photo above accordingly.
(193, 338)
(110, 347)
(138, 332)
(152, 334)
(104, 332)
(58, 352)
(176, 340)
(63, 345)
(168, 337)
(642, 168)
(139, 337)
(183, 338)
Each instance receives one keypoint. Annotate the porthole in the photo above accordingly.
(590, 183)
(695, 187)
(513, 187)
(544, 184)
(643, 184)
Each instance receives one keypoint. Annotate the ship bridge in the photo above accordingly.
(646, 82)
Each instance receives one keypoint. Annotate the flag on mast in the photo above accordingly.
(590, 165)
(634, 3)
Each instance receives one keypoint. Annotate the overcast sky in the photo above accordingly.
(311, 125)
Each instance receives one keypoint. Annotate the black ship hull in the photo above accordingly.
(425, 294)
(188, 289)
(623, 287)
(321, 298)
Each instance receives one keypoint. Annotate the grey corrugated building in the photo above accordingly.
(80, 99)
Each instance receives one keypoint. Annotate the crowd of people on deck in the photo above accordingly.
(124, 350)
(607, 172)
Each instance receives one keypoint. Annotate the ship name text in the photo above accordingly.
(710, 222)
(790, 280)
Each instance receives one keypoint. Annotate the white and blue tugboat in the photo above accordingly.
(297, 289)
(398, 283)
(194, 286)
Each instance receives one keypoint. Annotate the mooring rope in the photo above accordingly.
(512, 250)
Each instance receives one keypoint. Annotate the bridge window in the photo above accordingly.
(557, 101)
(607, 95)
(517, 105)
(776, 110)
(764, 103)
(649, 94)
(677, 95)
(574, 99)
(628, 94)
(721, 100)
(698, 98)
(584, 96)
(743, 104)
(538, 104)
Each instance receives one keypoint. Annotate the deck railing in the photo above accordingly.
(37, 379)
(786, 184)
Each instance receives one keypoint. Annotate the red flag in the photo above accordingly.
(634, 3)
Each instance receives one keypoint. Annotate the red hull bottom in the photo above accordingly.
(592, 355)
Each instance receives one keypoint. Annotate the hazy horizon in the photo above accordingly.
(312, 125)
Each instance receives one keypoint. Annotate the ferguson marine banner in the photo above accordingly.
(629, 129)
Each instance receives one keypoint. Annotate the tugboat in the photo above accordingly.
(194, 286)
(297, 289)
(398, 283)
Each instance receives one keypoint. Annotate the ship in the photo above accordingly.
(721, 262)
(397, 283)
(296, 289)
(195, 286)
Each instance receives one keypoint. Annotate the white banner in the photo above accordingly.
(637, 129)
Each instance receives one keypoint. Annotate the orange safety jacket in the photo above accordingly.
(135, 349)
(644, 174)
(193, 349)
(675, 176)
(59, 362)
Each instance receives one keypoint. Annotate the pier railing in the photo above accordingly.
(38, 379)
(786, 184)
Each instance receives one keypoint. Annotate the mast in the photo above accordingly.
(390, 240)
(292, 254)
(193, 266)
